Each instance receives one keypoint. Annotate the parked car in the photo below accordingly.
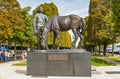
(116, 51)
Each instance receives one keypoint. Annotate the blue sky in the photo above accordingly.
(65, 7)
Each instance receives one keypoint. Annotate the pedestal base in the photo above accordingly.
(59, 63)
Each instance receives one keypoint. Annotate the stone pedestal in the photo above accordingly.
(59, 63)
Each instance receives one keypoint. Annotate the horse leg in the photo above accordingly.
(81, 39)
(76, 37)
(58, 35)
(54, 40)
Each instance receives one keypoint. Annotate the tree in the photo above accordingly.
(49, 9)
(28, 37)
(116, 20)
(88, 43)
(100, 22)
(10, 19)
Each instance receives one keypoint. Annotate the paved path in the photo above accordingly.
(8, 71)
(112, 71)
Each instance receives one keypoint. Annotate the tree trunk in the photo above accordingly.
(30, 45)
(104, 52)
(21, 46)
(9, 43)
(15, 51)
(99, 49)
(113, 48)
(93, 48)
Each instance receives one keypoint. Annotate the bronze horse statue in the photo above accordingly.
(64, 23)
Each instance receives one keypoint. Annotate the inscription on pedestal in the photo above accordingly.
(57, 57)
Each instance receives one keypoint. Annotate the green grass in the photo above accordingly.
(24, 63)
(117, 59)
(99, 62)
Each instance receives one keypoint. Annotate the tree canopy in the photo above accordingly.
(50, 9)
(11, 19)
(100, 21)
(28, 35)
(116, 15)
(101, 25)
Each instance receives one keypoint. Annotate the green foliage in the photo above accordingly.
(87, 41)
(10, 19)
(28, 35)
(49, 9)
(100, 21)
(116, 14)
(65, 39)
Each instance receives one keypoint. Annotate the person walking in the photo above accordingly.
(6, 56)
(1, 56)
(23, 55)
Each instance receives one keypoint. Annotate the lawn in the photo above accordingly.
(114, 58)
(99, 62)
(24, 63)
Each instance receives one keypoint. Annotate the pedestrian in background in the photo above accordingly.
(23, 55)
(6, 56)
(1, 56)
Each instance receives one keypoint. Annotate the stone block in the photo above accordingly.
(59, 63)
